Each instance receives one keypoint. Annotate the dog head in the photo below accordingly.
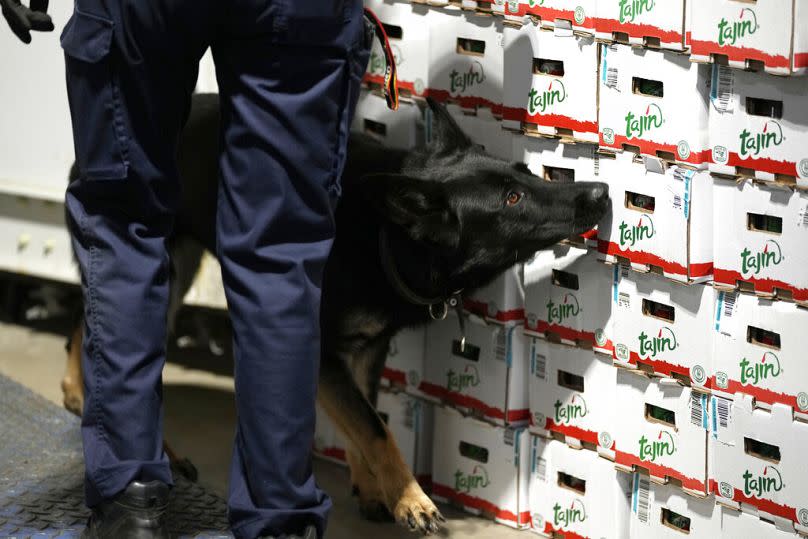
(481, 212)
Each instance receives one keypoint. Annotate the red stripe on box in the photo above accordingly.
(701, 269)
(800, 59)
(550, 531)
(768, 506)
(761, 394)
(737, 54)
(649, 147)
(395, 376)
(567, 333)
(763, 164)
(464, 101)
(481, 309)
(474, 502)
(549, 14)
(465, 401)
(637, 30)
(572, 431)
(663, 367)
(549, 120)
(731, 277)
(658, 470)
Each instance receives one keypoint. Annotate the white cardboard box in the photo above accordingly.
(661, 428)
(760, 234)
(758, 124)
(412, 422)
(771, 32)
(759, 351)
(567, 297)
(404, 368)
(632, 115)
(503, 300)
(551, 83)
(401, 129)
(408, 34)
(735, 524)
(328, 442)
(482, 467)
(664, 512)
(483, 128)
(487, 376)
(758, 461)
(663, 326)
(642, 22)
(576, 493)
(579, 15)
(573, 392)
(659, 218)
(465, 59)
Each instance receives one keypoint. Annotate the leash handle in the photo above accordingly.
(390, 73)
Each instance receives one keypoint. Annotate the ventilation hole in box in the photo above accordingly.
(393, 31)
(571, 381)
(565, 279)
(472, 47)
(571, 482)
(764, 223)
(675, 520)
(545, 66)
(657, 414)
(764, 451)
(647, 87)
(768, 108)
(763, 337)
(466, 351)
(474, 452)
(559, 174)
(658, 310)
(640, 202)
(374, 128)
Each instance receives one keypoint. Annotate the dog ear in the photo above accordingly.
(446, 134)
(419, 206)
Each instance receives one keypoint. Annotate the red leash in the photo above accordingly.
(390, 74)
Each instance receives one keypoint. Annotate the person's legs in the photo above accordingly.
(131, 67)
(289, 75)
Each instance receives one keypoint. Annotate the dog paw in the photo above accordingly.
(73, 397)
(416, 511)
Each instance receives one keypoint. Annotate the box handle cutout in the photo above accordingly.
(764, 223)
(571, 482)
(658, 310)
(559, 174)
(469, 351)
(565, 279)
(393, 31)
(472, 47)
(474, 452)
(761, 450)
(375, 128)
(675, 520)
(640, 202)
(768, 108)
(543, 66)
(571, 381)
(763, 337)
(657, 414)
(651, 88)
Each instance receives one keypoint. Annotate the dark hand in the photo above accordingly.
(22, 19)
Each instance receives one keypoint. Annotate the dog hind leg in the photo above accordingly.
(73, 381)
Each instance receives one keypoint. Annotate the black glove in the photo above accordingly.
(22, 19)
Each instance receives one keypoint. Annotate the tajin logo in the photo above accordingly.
(478, 478)
(730, 32)
(564, 516)
(567, 413)
(753, 144)
(663, 446)
(458, 381)
(638, 126)
(629, 9)
(631, 234)
(757, 486)
(534, 3)
(538, 101)
(459, 82)
(754, 263)
(752, 373)
(665, 341)
(558, 312)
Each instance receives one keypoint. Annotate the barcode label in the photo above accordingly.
(611, 77)
(540, 366)
(729, 304)
(697, 409)
(410, 406)
(642, 497)
(722, 93)
(624, 300)
(509, 436)
(624, 270)
(723, 411)
(596, 158)
(803, 217)
(541, 469)
(677, 202)
(501, 344)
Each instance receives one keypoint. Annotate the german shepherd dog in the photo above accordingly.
(413, 229)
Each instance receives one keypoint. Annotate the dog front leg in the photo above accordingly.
(73, 381)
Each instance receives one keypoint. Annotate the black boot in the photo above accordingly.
(136, 513)
(310, 533)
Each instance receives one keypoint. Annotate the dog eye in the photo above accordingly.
(513, 198)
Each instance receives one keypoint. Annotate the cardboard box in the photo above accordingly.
(404, 368)
(412, 422)
(328, 442)
(642, 22)
(483, 128)
(503, 300)
(758, 351)
(567, 298)
(760, 234)
(465, 59)
(758, 461)
(736, 524)
(486, 377)
(408, 35)
(662, 512)
(663, 327)
(750, 34)
(580, 15)
(551, 83)
(575, 493)
(654, 103)
(661, 428)
(757, 126)
(482, 467)
(573, 392)
(659, 218)
(401, 129)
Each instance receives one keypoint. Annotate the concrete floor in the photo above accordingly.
(199, 423)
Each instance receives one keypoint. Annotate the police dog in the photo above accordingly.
(413, 228)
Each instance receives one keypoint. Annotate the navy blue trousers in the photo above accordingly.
(289, 74)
